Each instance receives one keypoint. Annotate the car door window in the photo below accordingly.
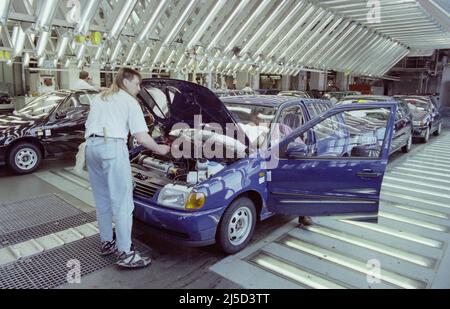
(290, 119)
(68, 108)
(358, 133)
(85, 99)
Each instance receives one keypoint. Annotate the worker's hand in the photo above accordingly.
(151, 118)
(163, 149)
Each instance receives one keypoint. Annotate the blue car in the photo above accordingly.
(426, 117)
(314, 160)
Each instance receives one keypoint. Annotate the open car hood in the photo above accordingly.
(174, 101)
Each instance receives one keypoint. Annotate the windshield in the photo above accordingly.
(42, 105)
(252, 114)
(417, 104)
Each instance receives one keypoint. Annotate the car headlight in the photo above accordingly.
(174, 196)
(196, 200)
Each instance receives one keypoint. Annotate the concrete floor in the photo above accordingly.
(173, 266)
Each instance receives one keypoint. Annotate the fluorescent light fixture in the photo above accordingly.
(131, 52)
(46, 13)
(98, 53)
(80, 64)
(116, 51)
(230, 19)
(121, 20)
(181, 60)
(42, 43)
(293, 30)
(279, 28)
(86, 17)
(4, 11)
(201, 30)
(263, 28)
(144, 55)
(18, 41)
(81, 52)
(179, 23)
(40, 62)
(14, 33)
(151, 24)
(172, 54)
(67, 64)
(26, 60)
(62, 46)
(249, 21)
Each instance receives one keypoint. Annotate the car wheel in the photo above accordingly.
(439, 130)
(237, 226)
(407, 147)
(426, 138)
(24, 158)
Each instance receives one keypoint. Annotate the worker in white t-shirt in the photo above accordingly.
(113, 115)
(82, 82)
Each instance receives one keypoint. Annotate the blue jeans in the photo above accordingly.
(110, 177)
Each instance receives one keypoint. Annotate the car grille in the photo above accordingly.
(146, 184)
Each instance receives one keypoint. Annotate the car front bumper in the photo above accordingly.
(419, 131)
(196, 228)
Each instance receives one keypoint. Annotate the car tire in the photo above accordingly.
(24, 158)
(236, 226)
(407, 147)
(426, 138)
(439, 130)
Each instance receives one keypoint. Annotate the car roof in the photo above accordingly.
(271, 100)
(368, 97)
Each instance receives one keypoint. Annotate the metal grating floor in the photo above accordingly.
(45, 229)
(409, 247)
(49, 269)
(16, 216)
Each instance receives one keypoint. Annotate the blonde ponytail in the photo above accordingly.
(122, 74)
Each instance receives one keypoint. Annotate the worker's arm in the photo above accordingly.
(148, 142)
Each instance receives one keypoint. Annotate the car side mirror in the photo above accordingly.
(296, 150)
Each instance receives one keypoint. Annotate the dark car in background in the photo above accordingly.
(426, 117)
(6, 105)
(267, 91)
(49, 125)
(403, 130)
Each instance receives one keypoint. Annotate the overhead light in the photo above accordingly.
(88, 14)
(172, 54)
(116, 51)
(144, 55)
(18, 40)
(4, 11)
(80, 64)
(40, 62)
(67, 64)
(249, 21)
(42, 43)
(131, 52)
(81, 52)
(180, 61)
(98, 53)
(279, 28)
(62, 46)
(151, 24)
(46, 13)
(201, 30)
(26, 60)
(121, 20)
(231, 18)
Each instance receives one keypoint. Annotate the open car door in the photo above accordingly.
(334, 164)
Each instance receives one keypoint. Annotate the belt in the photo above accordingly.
(101, 136)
